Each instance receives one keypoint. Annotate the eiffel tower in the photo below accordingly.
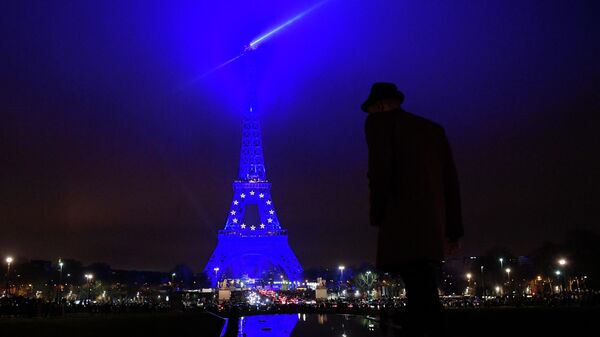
(253, 245)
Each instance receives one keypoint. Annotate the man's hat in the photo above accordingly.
(380, 91)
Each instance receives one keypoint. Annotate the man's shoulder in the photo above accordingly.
(420, 121)
(403, 120)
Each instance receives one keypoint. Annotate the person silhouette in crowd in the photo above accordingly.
(414, 201)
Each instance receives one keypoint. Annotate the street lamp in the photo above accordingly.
(557, 272)
(89, 278)
(469, 275)
(60, 268)
(9, 260)
(482, 283)
(341, 268)
(508, 273)
(562, 262)
(216, 269)
(501, 262)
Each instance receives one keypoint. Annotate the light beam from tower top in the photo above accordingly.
(259, 40)
(256, 42)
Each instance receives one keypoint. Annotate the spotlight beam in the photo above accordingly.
(254, 44)
(221, 65)
(259, 40)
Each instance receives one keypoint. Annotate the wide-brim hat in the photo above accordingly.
(381, 91)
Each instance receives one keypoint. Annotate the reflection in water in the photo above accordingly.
(267, 325)
(302, 325)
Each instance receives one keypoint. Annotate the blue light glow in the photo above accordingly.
(253, 250)
(255, 43)
(221, 65)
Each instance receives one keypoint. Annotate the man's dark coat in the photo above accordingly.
(413, 186)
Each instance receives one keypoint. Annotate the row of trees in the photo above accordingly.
(498, 268)
(50, 279)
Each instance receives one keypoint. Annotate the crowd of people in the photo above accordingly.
(36, 307)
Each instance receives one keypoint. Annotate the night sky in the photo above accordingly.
(113, 149)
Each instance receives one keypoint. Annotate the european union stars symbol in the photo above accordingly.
(266, 212)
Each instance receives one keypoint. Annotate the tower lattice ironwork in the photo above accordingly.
(252, 244)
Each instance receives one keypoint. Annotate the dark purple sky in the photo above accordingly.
(112, 149)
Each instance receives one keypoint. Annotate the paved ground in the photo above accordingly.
(104, 325)
(546, 322)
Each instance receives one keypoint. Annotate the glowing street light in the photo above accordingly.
(89, 278)
(341, 268)
(9, 260)
(60, 268)
(216, 269)
(469, 275)
(508, 270)
(562, 262)
(483, 291)
(501, 262)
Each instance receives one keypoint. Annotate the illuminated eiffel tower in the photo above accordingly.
(253, 244)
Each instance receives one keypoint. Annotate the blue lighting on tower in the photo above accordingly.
(253, 245)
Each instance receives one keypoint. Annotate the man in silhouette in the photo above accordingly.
(414, 199)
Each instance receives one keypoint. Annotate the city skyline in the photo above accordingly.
(114, 150)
